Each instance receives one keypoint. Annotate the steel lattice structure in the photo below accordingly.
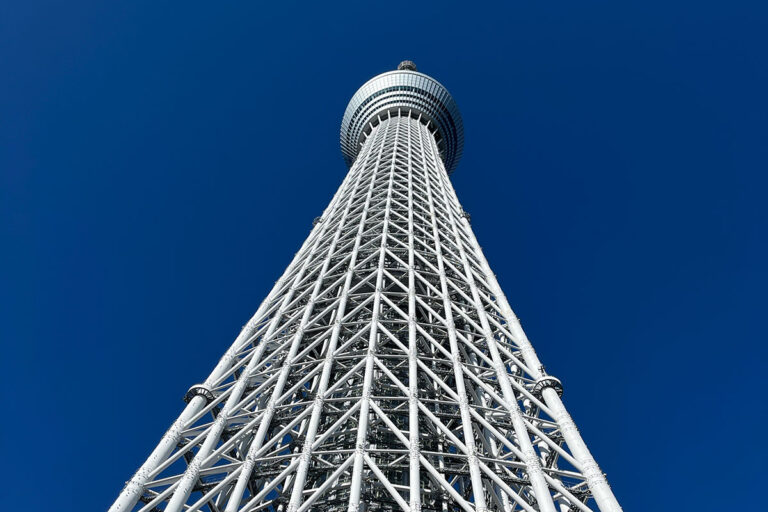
(385, 370)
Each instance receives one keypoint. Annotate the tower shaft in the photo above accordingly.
(384, 371)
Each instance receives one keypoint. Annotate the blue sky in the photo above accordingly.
(161, 162)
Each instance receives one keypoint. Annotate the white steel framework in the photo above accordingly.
(385, 370)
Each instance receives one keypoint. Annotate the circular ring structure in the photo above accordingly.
(199, 390)
(407, 90)
(545, 382)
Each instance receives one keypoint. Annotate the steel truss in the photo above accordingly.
(384, 371)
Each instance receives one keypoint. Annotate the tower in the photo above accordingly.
(385, 370)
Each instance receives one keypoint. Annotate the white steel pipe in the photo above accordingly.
(362, 428)
(474, 467)
(414, 435)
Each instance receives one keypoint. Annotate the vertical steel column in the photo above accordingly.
(413, 386)
(474, 468)
(362, 428)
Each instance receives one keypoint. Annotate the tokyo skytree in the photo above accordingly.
(385, 370)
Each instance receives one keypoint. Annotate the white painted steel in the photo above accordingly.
(385, 367)
(414, 434)
(365, 399)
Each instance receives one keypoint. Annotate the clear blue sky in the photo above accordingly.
(160, 163)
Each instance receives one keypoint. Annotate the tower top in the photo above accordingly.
(404, 90)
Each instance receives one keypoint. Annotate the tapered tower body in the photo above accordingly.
(385, 370)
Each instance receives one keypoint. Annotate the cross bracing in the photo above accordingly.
(384, 371)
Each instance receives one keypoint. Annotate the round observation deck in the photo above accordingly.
(408, 90)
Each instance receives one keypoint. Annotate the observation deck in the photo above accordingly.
(409, 90)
